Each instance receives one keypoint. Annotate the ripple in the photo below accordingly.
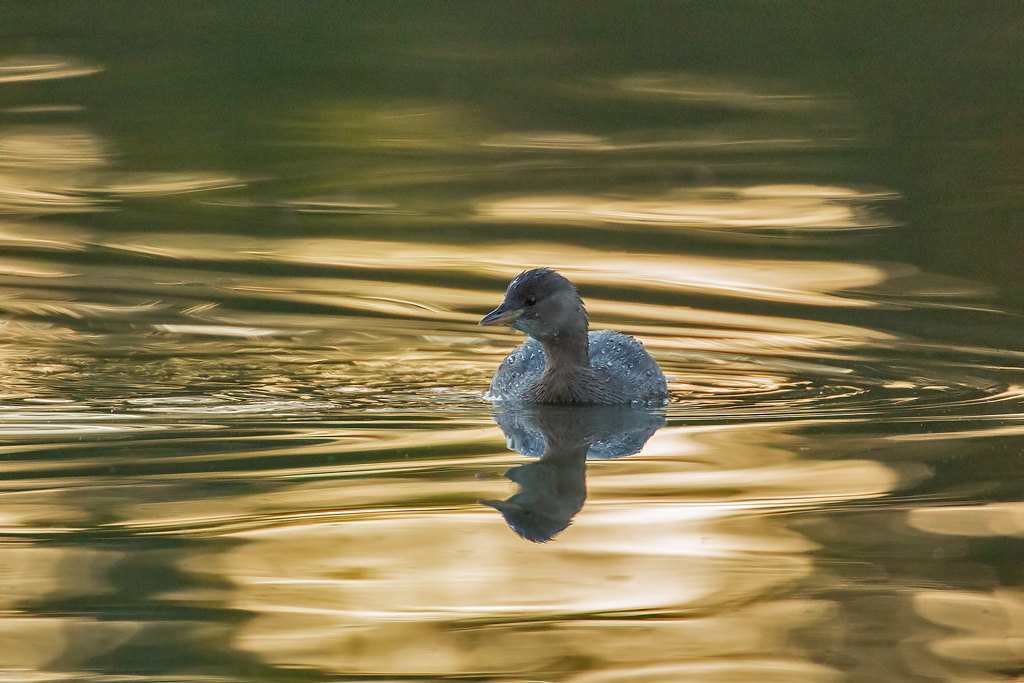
(791, 281)
(550, 141)
(993, 519)
(49, 169)
(218, 330)
(156, 184)
(196, 406)
(722, 92)
(42, 68)
(863, 394)
(46, 236)
(15, 197)
(361, 344)
(785, 211)
(986, 627)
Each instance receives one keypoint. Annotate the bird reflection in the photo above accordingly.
(553, 489)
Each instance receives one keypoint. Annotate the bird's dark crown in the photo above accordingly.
(538, 282)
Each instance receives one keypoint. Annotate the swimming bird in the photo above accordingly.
(563, 362)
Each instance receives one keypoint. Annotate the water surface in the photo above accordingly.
(242, 432)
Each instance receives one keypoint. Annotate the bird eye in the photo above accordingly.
(530, 300)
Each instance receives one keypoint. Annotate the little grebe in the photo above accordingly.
(562, 362)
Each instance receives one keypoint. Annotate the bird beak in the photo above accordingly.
(502, 315)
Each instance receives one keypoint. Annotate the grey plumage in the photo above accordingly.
(562, 362)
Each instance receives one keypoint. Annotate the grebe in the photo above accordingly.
(562, 362)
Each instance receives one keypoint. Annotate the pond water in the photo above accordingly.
(243, 251)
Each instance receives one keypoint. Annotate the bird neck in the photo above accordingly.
(567, 352)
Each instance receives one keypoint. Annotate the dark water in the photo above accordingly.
(243, 250)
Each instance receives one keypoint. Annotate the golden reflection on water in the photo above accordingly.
(37, 573)
(806, 282)
(172, 183)
(49, 170)
(34, 269)
(770, 477)
(370, 597)
(17, 198)
(988, 627)
(402, 343)
(295, 435)
(45, 236)
(451, 590)
(550, 140)
(42, 68)
(390, 568)
(794, 209)
(992, 519)
(692, 87)
(36, 150)
(682, 562)
(709, 141)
